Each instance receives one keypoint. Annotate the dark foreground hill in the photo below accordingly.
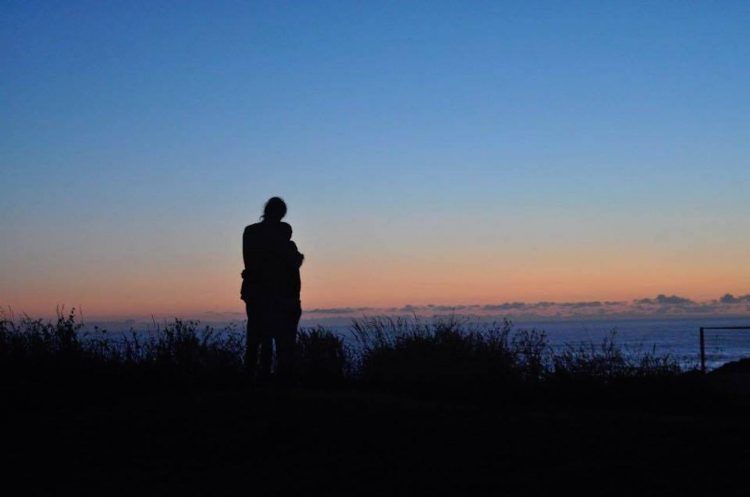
(263, 441)
(432, 412)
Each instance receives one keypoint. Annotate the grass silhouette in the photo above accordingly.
(391, 353)
(419, 406)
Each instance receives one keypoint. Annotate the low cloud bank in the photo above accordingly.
(660, 306)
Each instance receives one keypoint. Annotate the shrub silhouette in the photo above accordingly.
(322, 357)
(392, 353)
(608, 361)
(412, 353)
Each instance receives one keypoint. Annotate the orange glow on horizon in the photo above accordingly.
(384, 282)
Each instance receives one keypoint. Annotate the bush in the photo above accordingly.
(395, 353)
(322, 357)
(33, 342)
(446, 352)
(40, 350)
(608, 361)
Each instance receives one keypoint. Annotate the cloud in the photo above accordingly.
(543, 304)
(661, 305)
(579, 305)
(220, 314)
(731, 299)
(504, 307)
(338, 310)
(662, 299)
(451, 308)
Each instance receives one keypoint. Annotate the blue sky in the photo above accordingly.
(417, 143)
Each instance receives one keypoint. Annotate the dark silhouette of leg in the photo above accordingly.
(252, 339)
(266, 358)
(286, 344)
(251, 359)
(251, 344)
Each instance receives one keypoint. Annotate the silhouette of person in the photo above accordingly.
(271, 290)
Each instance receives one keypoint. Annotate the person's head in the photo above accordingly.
(275, 209)
(286, 231)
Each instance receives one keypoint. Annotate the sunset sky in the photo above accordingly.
(431, 152)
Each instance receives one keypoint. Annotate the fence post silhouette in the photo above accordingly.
(703, 340)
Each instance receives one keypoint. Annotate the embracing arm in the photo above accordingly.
(250, 255)
(295, 258)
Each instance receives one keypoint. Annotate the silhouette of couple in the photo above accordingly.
(271, 291)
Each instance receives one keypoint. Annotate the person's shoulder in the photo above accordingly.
(296, 257)
(253, 227)
(252, 232)
(285, 230)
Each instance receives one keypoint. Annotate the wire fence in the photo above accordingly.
(716, 341)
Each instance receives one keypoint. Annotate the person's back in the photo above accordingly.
(294, 259)
(271, 290)
(265, 250)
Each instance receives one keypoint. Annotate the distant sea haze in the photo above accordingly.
(660, 306)
(678, 337)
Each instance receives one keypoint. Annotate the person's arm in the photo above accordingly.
(295, 258)
(250, 254)
(245, 247)
(245, 250)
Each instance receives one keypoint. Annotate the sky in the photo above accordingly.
(431, 153)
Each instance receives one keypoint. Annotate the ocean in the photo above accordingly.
(678, 337)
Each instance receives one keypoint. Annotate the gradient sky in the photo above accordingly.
(430, 152)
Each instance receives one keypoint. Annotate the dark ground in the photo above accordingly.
(265, 441)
